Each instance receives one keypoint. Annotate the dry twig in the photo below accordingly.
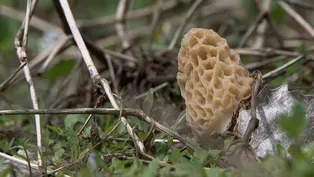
(252, 28)
(112, 74)
(278, 70)
(297, 17)
(302, 4)
(261, 29)
(187, 18)
(121, 25)
(6, 83)
(269, 52)
(253, 123)
(20, 44)
(54, 52)
(91, 23)
(155, 20)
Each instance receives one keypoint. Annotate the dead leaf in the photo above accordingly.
(271, 103)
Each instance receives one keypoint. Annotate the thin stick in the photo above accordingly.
(103, 111)
(261, 29)
(252, 28)
(133, 34)
(139, 13)
(256, 65)
(269, 52)
(153, 90)
(302, 4)
(186, 19)
(297, 17)
(112, 74)
(275, 31)
(100, 52)
(165, 141)
(253, 123)
(64, 84)
(121, 26)
(21, 51)
(109, 111)
(125, 157)
(281, 68)
(120, 55)
(53, 53)
(24, 162)
(5, 84)
(36, 61)
(155, 20)
(36, 22)
(99, 101)
(18, 160)
(181, 117)
(78, 38)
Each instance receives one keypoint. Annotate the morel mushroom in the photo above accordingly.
(212, 81)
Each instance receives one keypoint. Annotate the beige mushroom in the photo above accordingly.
(212, 81)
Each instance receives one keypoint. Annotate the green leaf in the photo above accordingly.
(72, 142)
(280, 151)
(136, 168)
(55, 129)
(83, 153)
(161, 150)
(175, 156)
(201, 156)
(71, 120)
(118, 165)
(6, 171)
(57, 158)
(191, 168)
(295, 150)
(277, 81)
(165, 171)
(59, 152)
(61, 69)
(294, 124)
(151, 170)
(276, 13)
(214, 172)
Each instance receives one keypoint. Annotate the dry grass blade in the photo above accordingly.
(286, 7)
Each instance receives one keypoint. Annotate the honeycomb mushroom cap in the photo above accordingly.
(212, 81)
